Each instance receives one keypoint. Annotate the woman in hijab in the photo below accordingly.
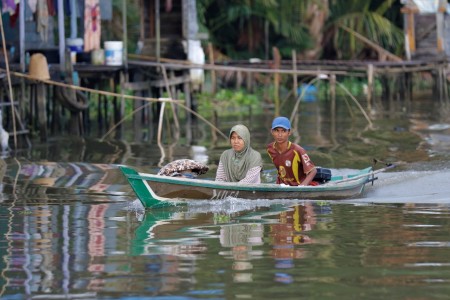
(240, 163)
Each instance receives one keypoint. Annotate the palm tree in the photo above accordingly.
(254, 26)
(366, 18)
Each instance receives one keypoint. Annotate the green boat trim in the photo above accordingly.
(157, 191)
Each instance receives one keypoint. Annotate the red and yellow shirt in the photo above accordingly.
(293, 164)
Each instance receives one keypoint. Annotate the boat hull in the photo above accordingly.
(155, 190)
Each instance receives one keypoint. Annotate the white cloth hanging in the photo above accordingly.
(92, 29)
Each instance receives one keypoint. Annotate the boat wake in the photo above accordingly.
(409, 187)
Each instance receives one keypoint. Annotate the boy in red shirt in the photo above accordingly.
(292, 162)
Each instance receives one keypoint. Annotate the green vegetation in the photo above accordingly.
(367, 18)
(228, 102)
(240, 27)
(315, 29)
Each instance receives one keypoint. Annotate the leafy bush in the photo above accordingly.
(227, 102)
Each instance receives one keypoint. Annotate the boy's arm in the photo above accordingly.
(309, 177)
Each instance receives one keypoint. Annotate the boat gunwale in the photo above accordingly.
(262, 187)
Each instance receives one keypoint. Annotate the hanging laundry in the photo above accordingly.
(9, 6)
(14, 17)
(42, 19)
(168, 5)
(92, 30)
(51, 8)
(33, 5)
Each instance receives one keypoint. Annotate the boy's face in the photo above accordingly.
(280, 135)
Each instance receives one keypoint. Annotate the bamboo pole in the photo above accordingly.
(276, 96)
(188, 99)
(42, 115)
(369, 86)
(333, 92)
(294, 76)
(8, 76)
(61, 35)
(372, 45)
(333, 109)
(183, 65)
(276, 80)
(175, 117)
(313, 68)
(131, 97)
(213, 72)
(443, 84)
(160, 122)
(238, 80)
(249, 78)
(158, 30)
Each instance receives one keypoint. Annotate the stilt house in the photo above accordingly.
(427, 29)
(167, 27)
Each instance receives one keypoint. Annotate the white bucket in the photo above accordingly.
(113, 53)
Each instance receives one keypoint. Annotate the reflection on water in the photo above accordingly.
(100, 251)
(72, 228)
(50, 182)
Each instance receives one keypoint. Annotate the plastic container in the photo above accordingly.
(308, 92)
(98, 57)
(75, 45)
(113, 53)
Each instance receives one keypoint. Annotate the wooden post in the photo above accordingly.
(276, 80)
(249, 82)
(294, 76)
(444, 84)
(99, 112)
(187, 95)
(410, 35)
(61, 35)
(333, 92)
(42, 115)
(369, 86)
(169, 91)
(213, 73)
(440, 32)
(440, 82)
(333, 107)
(158, 31)
(238, 80)
(409, 89)
(111, 117)
(276, 84)
(160, 122)
(123, 77)
(216, 124)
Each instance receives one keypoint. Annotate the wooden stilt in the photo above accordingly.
(238, 80)
(249, 82)
(188, 99)
(370, 89)
(42, 114)
(276, 80)
(333, 91)
(213, 72)
(333, 107)
(294, 76)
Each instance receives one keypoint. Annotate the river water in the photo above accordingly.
(72, 228)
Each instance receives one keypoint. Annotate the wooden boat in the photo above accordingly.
(156, 190)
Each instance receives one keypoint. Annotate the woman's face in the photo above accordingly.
(237, 143)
